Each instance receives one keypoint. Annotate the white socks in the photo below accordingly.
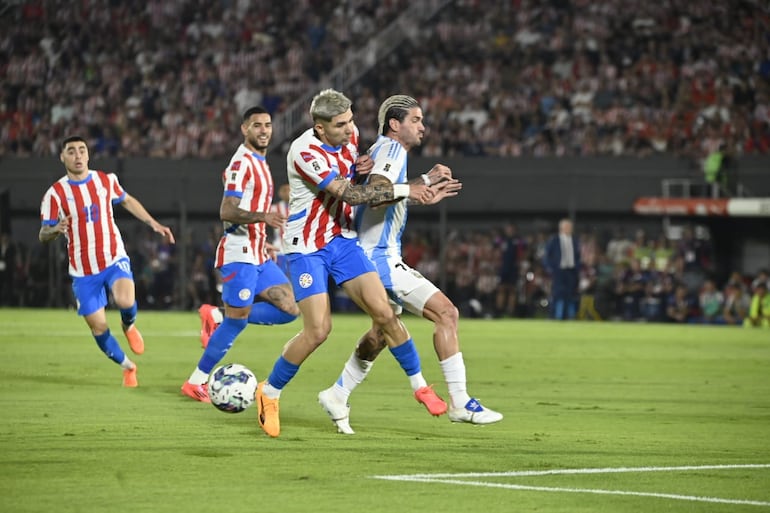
(198, 377)
(353, 374)
(454, 374)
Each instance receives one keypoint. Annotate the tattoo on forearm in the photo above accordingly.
(368, 194)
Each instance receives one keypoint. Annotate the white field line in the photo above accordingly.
(453, 479)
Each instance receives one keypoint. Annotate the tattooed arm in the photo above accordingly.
(378, 190)
(230, 211)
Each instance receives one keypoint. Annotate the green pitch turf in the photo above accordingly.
(599, 417)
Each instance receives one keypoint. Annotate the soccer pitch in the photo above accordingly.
(599, 417)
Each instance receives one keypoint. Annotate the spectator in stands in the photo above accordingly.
(679, 305)
(711, 303)
(759, 311)
(736, 306)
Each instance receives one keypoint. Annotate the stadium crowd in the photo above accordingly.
(503, 78)
(169, 79)
(622, 276)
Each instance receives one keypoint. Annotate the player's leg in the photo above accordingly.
(91, 297)
(334, 400)
(273, 287)
(369, 294)
(276, 304)
(463, 408)
(310, 284)
(121, 284)
(238, 295)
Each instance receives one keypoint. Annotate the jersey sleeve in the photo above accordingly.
(117, 193)
(389, 161)
(49, 209)
(313, 167)
(236, 176)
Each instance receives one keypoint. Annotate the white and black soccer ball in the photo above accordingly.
(232, 387)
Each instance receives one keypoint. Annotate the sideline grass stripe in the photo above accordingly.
(452, 479)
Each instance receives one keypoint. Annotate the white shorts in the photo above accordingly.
(406, 287)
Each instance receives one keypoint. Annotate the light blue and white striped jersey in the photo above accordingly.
(380, 229)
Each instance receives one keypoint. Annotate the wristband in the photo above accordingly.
(400, 190)
(426, 179)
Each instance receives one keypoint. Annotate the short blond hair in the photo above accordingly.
(327, 104)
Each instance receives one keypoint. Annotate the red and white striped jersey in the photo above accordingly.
(93, 239)
(247, 178)
(280, 207)
(316, 217)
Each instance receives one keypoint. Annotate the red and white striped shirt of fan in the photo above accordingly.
(93, 239)
(247, 178)
(316, 217)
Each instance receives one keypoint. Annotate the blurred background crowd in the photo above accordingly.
(488, 273)
(168, 78)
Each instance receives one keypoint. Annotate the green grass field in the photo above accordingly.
(593, 398)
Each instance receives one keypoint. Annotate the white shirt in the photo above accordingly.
(567, 252)
(380, 229)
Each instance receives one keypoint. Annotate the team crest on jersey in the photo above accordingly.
(236, 165)
(244, 294)
(307, 157)
(305, 280)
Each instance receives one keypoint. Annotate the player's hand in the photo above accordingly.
(420, 193)
(163, 230)
(272, 251)
(364, 164)
(63, 225)
(445, 189)
(439, 173)
(274, 219)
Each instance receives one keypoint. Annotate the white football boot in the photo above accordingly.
(338, 411)
(474, 413)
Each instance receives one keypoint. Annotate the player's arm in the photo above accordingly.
(49, 232)
(138, 211)
(378, 190)
(231, 212)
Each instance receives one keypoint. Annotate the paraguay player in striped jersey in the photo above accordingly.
(401, 129)
(320, 243)
(80, 206)
(248, 273)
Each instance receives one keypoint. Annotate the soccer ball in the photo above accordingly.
(232, 388)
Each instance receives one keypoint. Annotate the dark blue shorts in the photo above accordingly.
(342, 259)
(242, 282)
(91, 291)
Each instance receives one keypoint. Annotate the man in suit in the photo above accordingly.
(562, 260)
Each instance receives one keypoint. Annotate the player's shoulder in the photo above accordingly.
(306, 148)
(240, 158)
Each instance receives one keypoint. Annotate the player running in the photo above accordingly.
(247, 271)
(80, 206)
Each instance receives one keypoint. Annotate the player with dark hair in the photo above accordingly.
(401, 129)
(321, 242)
(80, 206)
(247, 271)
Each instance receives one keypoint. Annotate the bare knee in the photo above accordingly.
(448, 316)
(316, 335)
(124, 297)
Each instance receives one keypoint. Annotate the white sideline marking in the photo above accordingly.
(452, 479)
